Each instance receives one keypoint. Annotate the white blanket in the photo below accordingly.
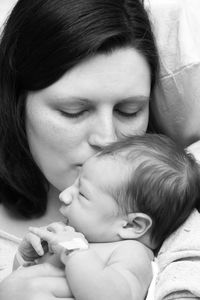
(179, 263)
(176, 104)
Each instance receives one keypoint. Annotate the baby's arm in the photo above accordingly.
(126, 275)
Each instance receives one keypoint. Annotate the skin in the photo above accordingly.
(41, 282)
(93, 214)
(102, 270)
(89, 205)
(92, 105)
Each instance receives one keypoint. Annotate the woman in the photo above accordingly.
(74, 76)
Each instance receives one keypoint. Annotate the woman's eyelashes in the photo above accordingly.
(82, 113)
(128, 110)
(74, 110)
(127, 114)
(74, 115)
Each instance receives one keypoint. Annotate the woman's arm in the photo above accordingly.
(126, 275)
(39, 282)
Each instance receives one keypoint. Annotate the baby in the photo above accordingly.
(125, 202)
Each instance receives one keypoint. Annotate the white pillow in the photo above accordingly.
(151, 291)
(176, 107)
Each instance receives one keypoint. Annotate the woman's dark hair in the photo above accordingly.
(41, 40)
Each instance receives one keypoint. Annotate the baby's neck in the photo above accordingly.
(147, 241)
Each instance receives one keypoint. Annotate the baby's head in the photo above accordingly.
(142, 188)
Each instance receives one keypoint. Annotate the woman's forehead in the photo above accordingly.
(123, 73)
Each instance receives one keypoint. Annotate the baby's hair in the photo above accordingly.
(163, 182)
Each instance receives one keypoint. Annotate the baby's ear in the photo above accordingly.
(135, 226)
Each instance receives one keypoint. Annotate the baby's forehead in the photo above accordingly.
(101, 160)
(106, 169)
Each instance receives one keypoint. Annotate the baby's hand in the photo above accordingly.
(56, 234)
(32, 247)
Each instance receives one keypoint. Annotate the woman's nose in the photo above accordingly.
(103, 131)
(66, 196)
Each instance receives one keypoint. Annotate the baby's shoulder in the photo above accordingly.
(133, 256)
(132, 249)
(134, 260)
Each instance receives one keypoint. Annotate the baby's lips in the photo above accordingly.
(62, 210)
(66, 222)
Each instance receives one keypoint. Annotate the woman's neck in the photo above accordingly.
(53, 214)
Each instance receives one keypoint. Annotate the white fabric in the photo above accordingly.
(179, 262)
(8, 247)
(151, 291)
(176, 106)
(74, 244)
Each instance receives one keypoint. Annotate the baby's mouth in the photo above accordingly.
(63, 212)
(66, 222)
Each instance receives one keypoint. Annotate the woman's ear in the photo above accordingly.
(135, 226)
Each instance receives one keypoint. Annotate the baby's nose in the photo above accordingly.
(66, 196)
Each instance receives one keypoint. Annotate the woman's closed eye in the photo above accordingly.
(74, 109)
(128, 109)
(127, 114)
(75, 114)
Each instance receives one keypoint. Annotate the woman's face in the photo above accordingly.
(95, 103)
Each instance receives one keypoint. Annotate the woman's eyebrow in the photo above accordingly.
(71, 99)
(136, 99)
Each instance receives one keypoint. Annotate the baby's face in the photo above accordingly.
(89, 205)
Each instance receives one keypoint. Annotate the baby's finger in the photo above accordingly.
(69, 229)
(56, 227)
(36, 243)
(43, 234)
